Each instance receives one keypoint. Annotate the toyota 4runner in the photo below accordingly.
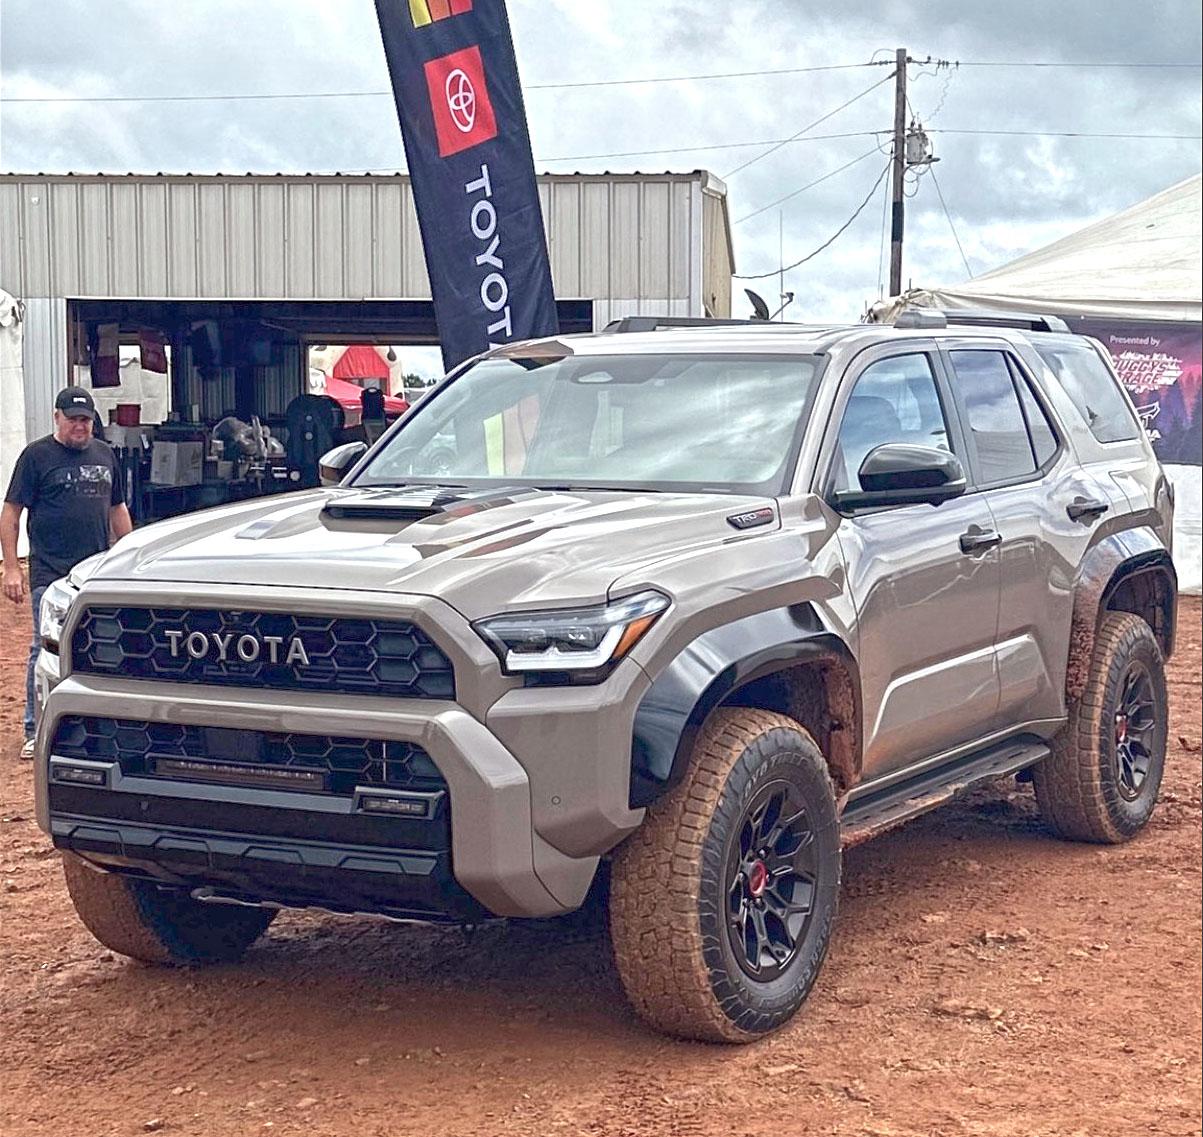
(701, 601)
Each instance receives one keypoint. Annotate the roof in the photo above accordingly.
(708, 180)
(748, 338)
(1145, 262)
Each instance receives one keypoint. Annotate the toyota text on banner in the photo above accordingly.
(463, 123)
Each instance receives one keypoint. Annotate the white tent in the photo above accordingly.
(1136, 273)
(1145, 263)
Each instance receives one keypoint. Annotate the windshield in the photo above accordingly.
(726, 423)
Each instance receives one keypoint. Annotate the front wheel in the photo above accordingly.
(1101, 781)
(722, 902)
(159, 925)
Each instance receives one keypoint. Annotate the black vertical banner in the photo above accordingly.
(459, 99)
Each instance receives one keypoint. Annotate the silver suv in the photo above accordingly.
(696, 605)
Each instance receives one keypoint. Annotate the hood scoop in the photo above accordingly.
(415, 503)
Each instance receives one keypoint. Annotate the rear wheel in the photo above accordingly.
(159, 925)
(1102, 779)
(722, 902)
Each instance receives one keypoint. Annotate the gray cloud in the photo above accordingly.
(1006, 194)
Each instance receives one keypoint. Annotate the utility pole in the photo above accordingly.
(899, 163)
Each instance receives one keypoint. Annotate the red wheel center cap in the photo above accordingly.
(758, 879)
(1121, 728)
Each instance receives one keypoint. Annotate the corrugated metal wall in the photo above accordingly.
(633, 243)
(642, 243)
(45, 362)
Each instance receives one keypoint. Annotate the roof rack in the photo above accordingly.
(984, 318)
(652, 323)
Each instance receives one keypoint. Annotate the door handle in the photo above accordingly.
(975, 539)
(1086, 509)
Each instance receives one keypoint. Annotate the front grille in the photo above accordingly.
(342, 763)
(258, 649)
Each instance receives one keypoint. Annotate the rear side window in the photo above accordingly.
(1092, 388)
(1044, 441)
(997, 425)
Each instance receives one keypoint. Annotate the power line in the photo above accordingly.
(718, 146)
(830, 240)
(806, 129)
(809, 185)
(955, 237)
(693, 78)
(388, 94)
(587, 83)
(1062, 63)
(264, 97)
(1066, 134)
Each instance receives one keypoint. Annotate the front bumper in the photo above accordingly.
(536, 781)
(496, 856)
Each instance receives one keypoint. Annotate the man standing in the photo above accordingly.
(71, 485)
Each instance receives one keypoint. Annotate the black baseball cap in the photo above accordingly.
(75, 402)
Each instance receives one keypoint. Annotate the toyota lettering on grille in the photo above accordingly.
(225, 647)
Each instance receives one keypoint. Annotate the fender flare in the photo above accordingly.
(1108, 564)
(708, 671)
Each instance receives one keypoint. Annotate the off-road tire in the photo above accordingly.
(669, 890)
(1079, 787)
(159, 925)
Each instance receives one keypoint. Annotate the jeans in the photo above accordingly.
(35, 647)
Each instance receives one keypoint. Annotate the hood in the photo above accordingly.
(482, 552)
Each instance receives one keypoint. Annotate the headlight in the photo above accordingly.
(56, 603)
(584, 642)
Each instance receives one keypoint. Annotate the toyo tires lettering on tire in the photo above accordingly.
(722, 902)
(159, 925)
(1102, 779)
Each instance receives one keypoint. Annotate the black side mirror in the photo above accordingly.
(899, 473)
(334, 464)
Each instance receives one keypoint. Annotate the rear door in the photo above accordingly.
(924, 578)
(1044, 506)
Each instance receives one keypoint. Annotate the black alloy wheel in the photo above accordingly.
(1101, 781)
(1135, 730)
(722, 902)
(772, 876)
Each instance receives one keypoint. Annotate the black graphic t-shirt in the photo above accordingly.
(68, 494)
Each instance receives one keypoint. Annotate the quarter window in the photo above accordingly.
(999, 434)
(1093, 389)
(893, 400)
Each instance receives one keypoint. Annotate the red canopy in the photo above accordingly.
(360, 361)
(348, 396)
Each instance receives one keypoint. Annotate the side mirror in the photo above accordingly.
(901, 474)
(334, 464)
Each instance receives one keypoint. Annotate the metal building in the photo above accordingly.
(313, 258)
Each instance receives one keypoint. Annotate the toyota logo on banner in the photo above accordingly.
(459, 99)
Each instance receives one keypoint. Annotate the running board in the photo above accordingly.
(874, 811)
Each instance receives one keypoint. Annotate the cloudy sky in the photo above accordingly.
(1006, 192)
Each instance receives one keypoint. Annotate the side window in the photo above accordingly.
(1092, 388)
(995, 418)
(893, 400)
(1044, 439)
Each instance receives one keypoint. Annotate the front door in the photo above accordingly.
(924, 578)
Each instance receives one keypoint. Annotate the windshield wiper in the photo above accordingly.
(581, 488)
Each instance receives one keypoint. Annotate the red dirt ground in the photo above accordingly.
(985, 979)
